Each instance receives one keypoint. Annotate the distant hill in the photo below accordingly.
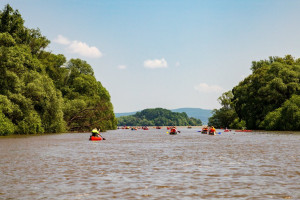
(158, 117)
(125, 114)
(198, 113)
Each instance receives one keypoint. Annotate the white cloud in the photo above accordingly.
(203, 87)
(156, 63)
(62, 40)
(78, 47)
(83, 49)
(177, 64)
(122, 67)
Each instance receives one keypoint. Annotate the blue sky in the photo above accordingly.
(164, 53)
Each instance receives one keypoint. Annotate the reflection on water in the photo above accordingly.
(150, 164)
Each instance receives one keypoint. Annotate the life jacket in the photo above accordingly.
(95, 131)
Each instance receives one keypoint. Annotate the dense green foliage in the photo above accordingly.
(226, 116)
(158, 117)
(42, 93)
(269, 98)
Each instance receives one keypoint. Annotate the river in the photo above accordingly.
(151, 164)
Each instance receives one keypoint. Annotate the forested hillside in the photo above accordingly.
(197, 113)
(158, 117)
(41, 92)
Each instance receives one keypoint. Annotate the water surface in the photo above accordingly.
(151, 164)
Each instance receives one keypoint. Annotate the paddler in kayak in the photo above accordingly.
(96, 133)
(173, 131)
(212, 131)
(204, 130)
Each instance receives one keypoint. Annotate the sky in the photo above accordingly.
(166, 53)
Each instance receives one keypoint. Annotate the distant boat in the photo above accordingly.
(204, 130)
(173, 131)
(212, 133)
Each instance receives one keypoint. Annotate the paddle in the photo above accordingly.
(101, 137)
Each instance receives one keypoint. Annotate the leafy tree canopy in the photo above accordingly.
(266, 99)
(41, 92)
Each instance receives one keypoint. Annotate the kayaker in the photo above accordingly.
(212, 129)
(173, 130)
(95, 132)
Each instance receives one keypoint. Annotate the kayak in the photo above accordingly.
(226, 130)
(93, 138)
(173, 131)
(204, 131)
(212, 133)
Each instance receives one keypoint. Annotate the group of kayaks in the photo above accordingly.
(208, 131)
(212, 130)
(173, 131)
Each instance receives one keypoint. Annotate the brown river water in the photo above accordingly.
(151, 164)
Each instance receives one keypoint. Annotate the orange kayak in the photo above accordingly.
(93, 138)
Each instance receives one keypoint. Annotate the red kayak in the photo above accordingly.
(243, 130)
(93, 138)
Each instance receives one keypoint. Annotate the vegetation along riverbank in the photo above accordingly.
(42, 92)
(269, 98)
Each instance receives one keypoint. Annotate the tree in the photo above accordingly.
(266, 89)
(287, 117)
(226, 115)
(42, 92)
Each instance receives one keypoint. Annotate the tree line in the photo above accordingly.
(158, 117)
(268, 99)
(41, 92)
